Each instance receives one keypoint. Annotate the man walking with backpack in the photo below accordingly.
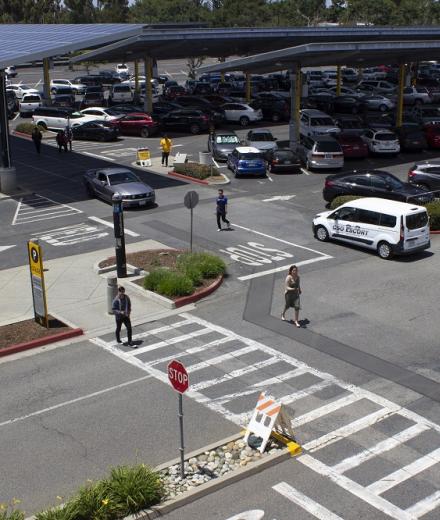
(122, 309)
(221, 210)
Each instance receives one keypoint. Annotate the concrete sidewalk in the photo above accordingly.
(76, 294)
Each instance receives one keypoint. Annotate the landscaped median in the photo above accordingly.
(433, 209)
(176, 277)
(198, 173)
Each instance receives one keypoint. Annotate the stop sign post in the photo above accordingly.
(191, 200)
(178, 377)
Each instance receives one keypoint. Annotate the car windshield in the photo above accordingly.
(417, 220)
(385, 137)
(227, 139)
(122, 178)
(328, 146)
(321, 121)
(262, 137)
(30, 99)
(250, 156)
(395, 183)
(75, 115)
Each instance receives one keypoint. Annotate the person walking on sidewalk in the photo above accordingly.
(122, 309)
(221, 210)
(292, 291)
(37, 136)
(61, 140)
(166, 145)
(68, 135)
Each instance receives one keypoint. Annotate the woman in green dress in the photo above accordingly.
(292, 291)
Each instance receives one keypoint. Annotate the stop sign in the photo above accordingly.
(178, 376)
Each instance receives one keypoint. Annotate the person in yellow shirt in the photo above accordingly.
(165, 144)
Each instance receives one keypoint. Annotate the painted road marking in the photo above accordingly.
(312, 507)
(99, 156)
(306, 172)
(122, 152)
(34, 208)
(254, 514)
(110, 224)
(218, 367)
(283, 268)
(69, 235)
(279, 197)
(4, 248)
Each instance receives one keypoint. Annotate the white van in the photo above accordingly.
(388, 226)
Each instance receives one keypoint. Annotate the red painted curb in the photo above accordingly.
(21, 134)
(189, 179)
(40, 342)
(431, 232)
(184, 300)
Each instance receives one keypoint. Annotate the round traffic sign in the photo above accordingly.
(34, 254)
(191, 199)
(178, 376)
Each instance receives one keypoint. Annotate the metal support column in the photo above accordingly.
(400, 87)
(148, 100)
(338, 80)
(8, 177)
(136, 76)
(46, 82)
(295, 101)
(248, 87)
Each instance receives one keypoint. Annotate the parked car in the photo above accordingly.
(261, 139)
(432, 135)
(186, 119)
(377, 102)
(161, 108)
(28, 104)
(106, 182)
(78, 88)
(109, 77)
(55, 118)
(217, 100)
(350, 125)
(119, 110)
(426, 115)
(88, 81)
(136, 124)
(411, 138)
(382, 142)
(121, 93)
(283, 160)
(63, 100)
(221, 143)
(416, 96)
(216, 114)
(201, 88)
(122, 69)
(21, 89)
(426, 175)
(381, 87)
(99, 114)
(329, 78)
(347, 104)
(315, 122)
(373, 183)
(320, 152)
(241, 113)
(345, 91)
(388, 227)
(92, 99)
(314, 78)
(95, 131)
(11, 103)
(173, 91)
(274, 106)
(353, 146)
(246, 160)
(321, 100)
(11, 71)
(349, 75)
(373, 73)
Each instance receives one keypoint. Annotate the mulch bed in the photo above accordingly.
(27, 330)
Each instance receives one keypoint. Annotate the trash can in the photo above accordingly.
(205, 158)
(112, 292)
(8, 180)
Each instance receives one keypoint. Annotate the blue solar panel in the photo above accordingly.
(21, 43)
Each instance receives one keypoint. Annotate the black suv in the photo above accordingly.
(373, 183)
(191, 119)
(275, 107)
(426, 175)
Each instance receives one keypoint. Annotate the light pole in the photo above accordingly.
(118, 225)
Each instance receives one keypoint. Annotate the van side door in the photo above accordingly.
(343, 220)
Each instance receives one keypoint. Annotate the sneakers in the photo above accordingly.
(118, 341)
(219, 229)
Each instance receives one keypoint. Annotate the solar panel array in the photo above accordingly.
(21, 43)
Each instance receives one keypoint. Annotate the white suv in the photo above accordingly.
(78, 88)
(28, 103)
(315, 122)
(121, 93)
(383, 142)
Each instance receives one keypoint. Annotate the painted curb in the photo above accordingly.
(189, 179)
(20, 347)
(29, 138)
(103, 270)
(184, 300)
(434, 232)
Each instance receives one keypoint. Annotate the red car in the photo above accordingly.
(174, 91)
(353, 146)
(432, 134)
(137, 123)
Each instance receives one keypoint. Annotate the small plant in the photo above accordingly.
(7, 513)
(208, 265)
(66, 512)
(169, 283)
(153, 279)
(433, 209)
(92, 503)
(155, 262)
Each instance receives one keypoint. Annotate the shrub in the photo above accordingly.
(175, 284)
(14, 514)
(208, 265)
(152, 280)
(342, 199)
(196, 170)
(26, 128)
(433, 209)
(57, 513)
(92, 503)
(134, 488)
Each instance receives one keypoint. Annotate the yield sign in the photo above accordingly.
(178, 376)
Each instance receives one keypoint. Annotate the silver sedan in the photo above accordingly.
(106, 182)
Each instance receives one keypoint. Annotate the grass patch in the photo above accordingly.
(13, 514)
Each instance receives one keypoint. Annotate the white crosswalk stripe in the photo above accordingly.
(35, 208)
(252, 367)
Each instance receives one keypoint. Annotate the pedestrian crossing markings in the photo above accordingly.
(228, 382)
(35, 208)
(70, 235)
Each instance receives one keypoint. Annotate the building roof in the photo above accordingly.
(22, 43)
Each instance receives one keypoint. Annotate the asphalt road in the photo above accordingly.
(361, 379)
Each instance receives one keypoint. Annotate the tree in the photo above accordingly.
(30, 11)
(370, 12)
(79, 11)
(113, 11)
(171, 11)
(193, 63)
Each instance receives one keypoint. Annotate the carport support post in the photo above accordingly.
(136, 77)
(338, 80)
(248, 87)
(295, 104)
(400, 86)
(46, 81)
(148, 100)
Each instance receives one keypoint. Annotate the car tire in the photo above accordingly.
(145, 132)
(321, 234)
(43, 125)
(276, 118)
(384, 250)
(101, 138)
(194, 129)
(383, 108)
(244, 121)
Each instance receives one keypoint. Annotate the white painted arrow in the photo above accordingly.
(3, 248)
(279, 197)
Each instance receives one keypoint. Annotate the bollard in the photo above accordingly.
(112, 291)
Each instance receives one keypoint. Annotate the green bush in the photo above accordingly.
(92, 503)
(57, 513)
(196, 170)
(152, 280)
(433, 209)
(14, 514)
(342, 199)
(175, 284)
(210, 266)
(26, 128)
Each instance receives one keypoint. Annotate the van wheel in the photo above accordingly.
(244, 121)
(384, 250)
(194, 129)
(43, 125)
(145, 132)
(321, 234)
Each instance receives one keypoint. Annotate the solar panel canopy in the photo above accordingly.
(22, 43)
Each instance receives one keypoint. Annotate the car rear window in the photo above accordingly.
(285, 154)
(328, 146)
(321, 121)
(31, 99)
(385, 137)
(262, 137)
(417, 220)
(250, 156)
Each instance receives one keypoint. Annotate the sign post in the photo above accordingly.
(178, 377)
(118, 225)
(35, 255)
(191, 200)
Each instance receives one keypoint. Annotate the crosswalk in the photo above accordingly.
(35, 208)
(228, 371)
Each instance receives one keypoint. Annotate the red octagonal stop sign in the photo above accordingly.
(178, 376)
